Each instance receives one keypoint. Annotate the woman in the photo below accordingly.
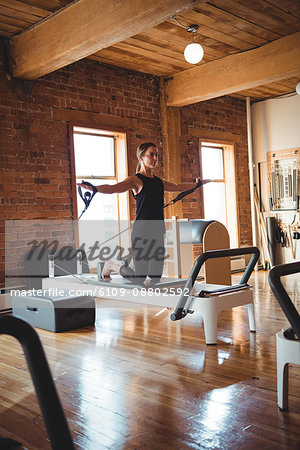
(147, 237)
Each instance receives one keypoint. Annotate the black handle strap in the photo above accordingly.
(183, 194)
(87, 197)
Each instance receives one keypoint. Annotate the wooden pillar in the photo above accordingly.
(171, 132)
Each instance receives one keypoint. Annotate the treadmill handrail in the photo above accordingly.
(180, 311)
(49, 402)
(276, 272)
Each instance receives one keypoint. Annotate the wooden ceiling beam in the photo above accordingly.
(274, 61)
(82, 29)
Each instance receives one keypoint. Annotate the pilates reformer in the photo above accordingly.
(184, 295)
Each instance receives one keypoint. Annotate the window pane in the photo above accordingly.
(214, 202)
(212, 163)
(94, 155)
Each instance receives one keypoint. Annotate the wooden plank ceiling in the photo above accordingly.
(226, 27)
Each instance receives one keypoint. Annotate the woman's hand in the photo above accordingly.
(202, 181)
(85, 186)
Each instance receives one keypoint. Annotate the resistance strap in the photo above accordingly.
(183, 194)
(87, 197)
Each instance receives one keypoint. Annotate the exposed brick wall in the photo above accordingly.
(225, 114)
(35, 178)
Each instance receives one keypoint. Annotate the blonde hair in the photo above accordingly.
(141, 150)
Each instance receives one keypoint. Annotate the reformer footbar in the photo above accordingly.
(181, 309)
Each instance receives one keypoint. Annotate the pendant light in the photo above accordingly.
(193, 52)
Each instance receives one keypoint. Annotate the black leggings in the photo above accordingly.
(148, 255)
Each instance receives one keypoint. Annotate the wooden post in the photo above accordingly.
(170, 127)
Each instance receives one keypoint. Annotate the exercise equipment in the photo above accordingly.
(213, 235)
(87, 197)
(287, 350)
(66, 260)
(272, 241)
(54, 313)
(48, 399)
(183, 305)
(185, 295)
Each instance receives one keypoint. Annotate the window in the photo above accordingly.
(95, 161)
(99, 156)
(212, 164)
(217, 163)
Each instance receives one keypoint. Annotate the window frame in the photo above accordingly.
(120, 135)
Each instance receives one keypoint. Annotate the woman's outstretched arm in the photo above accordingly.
(179, 187)
(129, 183)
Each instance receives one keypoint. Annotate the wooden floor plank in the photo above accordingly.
(140, 381)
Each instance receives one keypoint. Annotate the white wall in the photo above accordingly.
(276, 126)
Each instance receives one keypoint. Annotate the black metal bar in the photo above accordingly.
(280, 293)
(223, 290)
(251, 264)
(180, 311)
(49, 402)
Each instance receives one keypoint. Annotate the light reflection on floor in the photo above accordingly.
(140, 393)
(217, 409)
(223, 356)
(101, 394)
(110, 335)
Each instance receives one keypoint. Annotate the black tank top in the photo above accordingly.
(150, 200)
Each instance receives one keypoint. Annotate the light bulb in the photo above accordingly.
(193, 53)
(298, 88)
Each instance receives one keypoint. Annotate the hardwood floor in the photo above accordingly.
(137, 380)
